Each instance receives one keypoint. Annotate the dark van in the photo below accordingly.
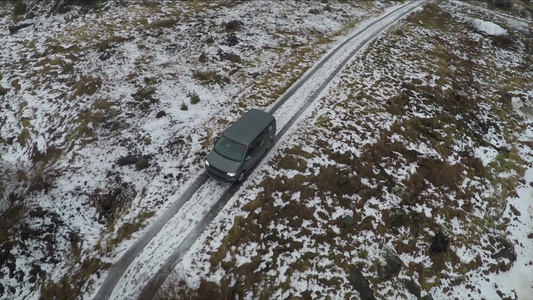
(240, 146)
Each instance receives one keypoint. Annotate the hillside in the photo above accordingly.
(411, 176)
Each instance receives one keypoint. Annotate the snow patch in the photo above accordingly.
(489, 28)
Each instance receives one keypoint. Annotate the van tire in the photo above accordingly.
(269, 145)
(241, 177)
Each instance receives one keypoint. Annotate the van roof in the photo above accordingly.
(248, 126)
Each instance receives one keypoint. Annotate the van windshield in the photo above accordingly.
(230, 149)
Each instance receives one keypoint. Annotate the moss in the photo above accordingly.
(163, 23)
(505, 170)
(19, 8)
(23, 137)
(433, 17)
(127, 229)
(70, 286)
(210, 77)
(26, 122)
(87, 85)
(87, 122)
(292, 162)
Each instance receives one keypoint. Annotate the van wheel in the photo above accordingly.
(241, 177)
(269, 145)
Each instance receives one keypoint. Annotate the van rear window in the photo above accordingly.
(230, 149)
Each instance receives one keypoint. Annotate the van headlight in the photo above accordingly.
(206, 163)
(231, 174)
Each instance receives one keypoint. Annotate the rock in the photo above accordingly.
(16, 85)
(399, 219)
(439, 244)
(202, 58)
(503, 4)
(505, 253)
(106, 202)
(210, 40)
(3, 90)
(343, 181)
(144, 94)
(15, 28)
(413, 288)
(505, 99)
(107, 54)
(367, 223)
(364, 193)
(234, 25)
(75, 7)
(142, 164)
(160, 114)
(232, 40)
(415, 225)
(19, 276)
(392, 265)
(127, 160)
(361, 284)
(314, 11)
(348, 221)
(30, 15)
(228, 56)
(427, 297)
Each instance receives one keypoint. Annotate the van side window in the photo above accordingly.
(250, 149)
(257, 142)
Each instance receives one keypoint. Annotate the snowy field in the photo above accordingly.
(412, 175)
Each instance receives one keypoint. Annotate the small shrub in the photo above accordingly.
(165, 23)
(87, 85)
(23, 137)
(150, 4)
(210, 77)
(503, 4)
(128, 228)
(193, 96)
(291, 162)
(502, 41)
(19, 8)
(184, 106)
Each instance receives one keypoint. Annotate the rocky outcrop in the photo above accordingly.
(361, 284)
(439, 244)
(392, 264)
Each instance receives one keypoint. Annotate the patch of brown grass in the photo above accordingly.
(71, 285)
(433, 17)
(502, 41)
(210, 77)
(291, 162)
(128, 228)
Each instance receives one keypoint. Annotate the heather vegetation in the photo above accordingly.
(107, 109)
(385, 181)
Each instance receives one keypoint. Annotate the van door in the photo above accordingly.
(255, 150)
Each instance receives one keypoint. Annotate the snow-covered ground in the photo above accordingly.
(85, 90)
(262, 255)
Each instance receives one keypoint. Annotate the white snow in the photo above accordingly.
(488, 27)
(87, 166)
